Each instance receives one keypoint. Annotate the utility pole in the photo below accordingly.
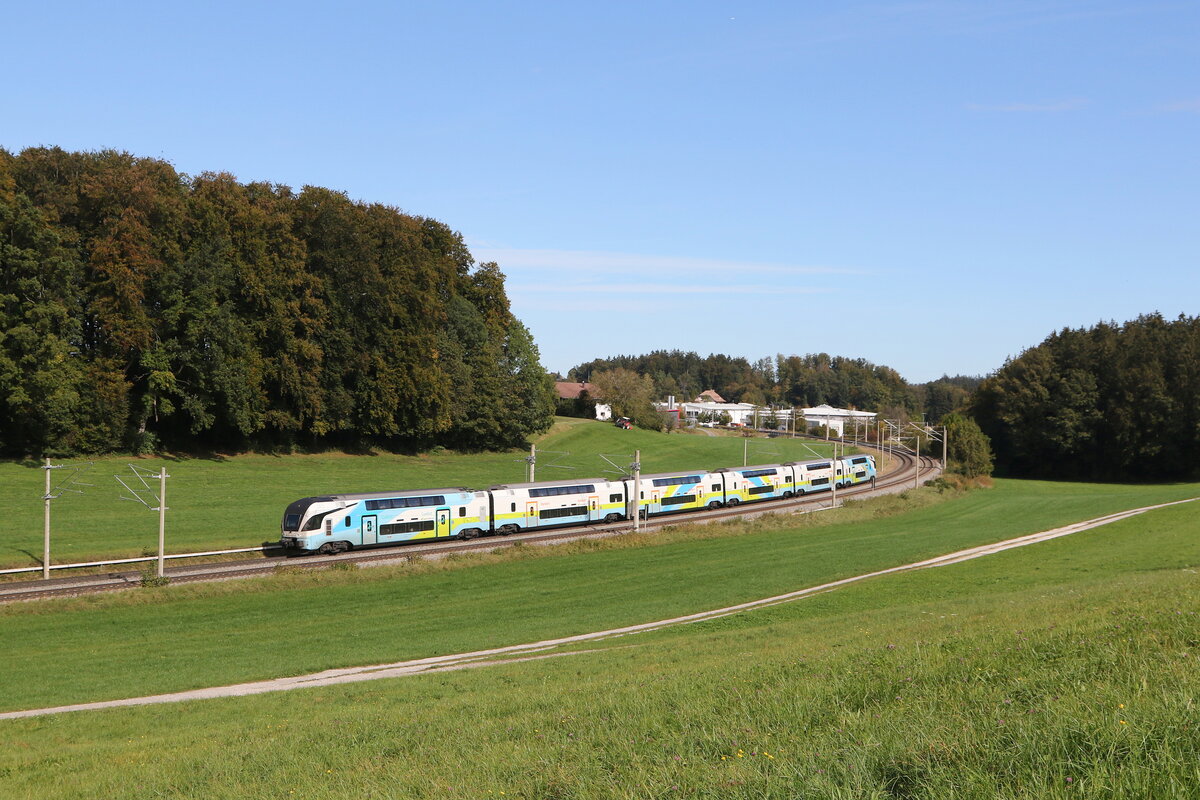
(532, 461)
(46, 532)
(162, 516)
(833, 482)
(140, 476)
(917, 474)
(637, 491)
(745, 449)
(944, 436)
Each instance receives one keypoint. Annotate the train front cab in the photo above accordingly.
(858, 469)
(336, 523)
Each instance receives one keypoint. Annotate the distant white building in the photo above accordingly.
(837, 419)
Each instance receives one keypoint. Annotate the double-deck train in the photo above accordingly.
(339, 522)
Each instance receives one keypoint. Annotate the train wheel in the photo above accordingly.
(714, 504)
(612, 518)
(733, 501)
(505, 530)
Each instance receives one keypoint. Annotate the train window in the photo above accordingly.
(291, 522)
(820, 481)
(686, 480)
(462, 511)
(347, 522)
(555, 491)
(858, 460)
(315, 522)
(614, 498)
(716, 487)
(758, 473)
(514, 506)
(643, 495)
(679, 500)
(406, 527)
(818, 466)
(760, 489)
(572, 511)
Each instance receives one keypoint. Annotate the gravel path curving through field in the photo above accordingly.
(539, 650)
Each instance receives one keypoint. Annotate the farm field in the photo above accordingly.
(152, 641)
(237, 501)
(1065, 669)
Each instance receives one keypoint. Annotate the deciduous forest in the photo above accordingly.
(1107, 402)
(141, 308)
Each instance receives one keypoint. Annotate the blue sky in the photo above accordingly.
(929, 185)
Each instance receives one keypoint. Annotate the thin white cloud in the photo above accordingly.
(514, 260)
(1072, 104)
(682, 287)
(1182, 106)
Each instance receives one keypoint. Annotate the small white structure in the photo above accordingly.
(603, 412)
(837, 419)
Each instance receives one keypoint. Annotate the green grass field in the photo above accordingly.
(192, 636)
(237, 501)
(1066, 669)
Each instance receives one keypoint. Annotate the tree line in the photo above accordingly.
(144, 308)
(1106, 402)
(786, 381)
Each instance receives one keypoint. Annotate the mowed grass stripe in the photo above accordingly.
(227, 502)
(1060, 670)
(63, 652)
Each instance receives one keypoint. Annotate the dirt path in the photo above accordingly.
(538, 650)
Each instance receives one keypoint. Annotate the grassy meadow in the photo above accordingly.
(225, 502)
(152, 641)
(1066, 669)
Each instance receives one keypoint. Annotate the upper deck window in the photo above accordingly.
(758, 473)
(683, 480)
(406, 502)
(555, 491)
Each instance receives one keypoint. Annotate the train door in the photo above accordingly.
(593, 508)
(655, 502)
(370, 530)
(443, 522)
(531, 514)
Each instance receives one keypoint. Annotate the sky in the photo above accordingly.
(934, 186)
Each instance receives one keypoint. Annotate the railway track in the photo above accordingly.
(893, 481)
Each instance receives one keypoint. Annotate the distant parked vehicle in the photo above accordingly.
(624, 423)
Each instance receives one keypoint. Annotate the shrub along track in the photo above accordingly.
(904, 476)
(545, 648)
